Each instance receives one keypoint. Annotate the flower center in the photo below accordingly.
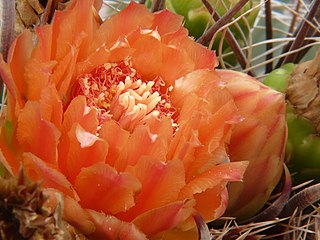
(117, 92)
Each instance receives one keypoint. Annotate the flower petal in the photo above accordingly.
(19, 54)
(109, 227)
(67, 30)
(78, 112)
(117, 138)
(164, 218)
(37, 169)
(161, 184)
(124, 22)
(36, 132)
(165, 22)
(216, 176)
(43, 49)
(72, 211)
(51, 105)
(101, 188)
(264, 130)
(80, 149)
(155, 136)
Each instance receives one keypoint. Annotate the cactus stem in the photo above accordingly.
(205, 38)
(299, 35)
(302, 200)
(269, 35)
(158, 5)
(230, 39)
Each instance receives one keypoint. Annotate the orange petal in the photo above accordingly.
(216, 176)
(155, 136)
(67, 30)
(73, 213)
(153, 58)
(9, 161)
(36, 132)
(51, 105)
(165, 22)
(212, 203)
(63, 72)
(201, 83)
(109, 227)
(78, 112)
(117, 138)
(164, 218)
(19, 54)
(124, 22)
(43, 49)
(147, 55)
(97, 58)
(37, 76)
(101, 188)
(37, 169)
(80, 149)
(161, 184)
(175, 64)
(202, 57)
(9, 81)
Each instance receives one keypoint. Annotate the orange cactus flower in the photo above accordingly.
(128, 119)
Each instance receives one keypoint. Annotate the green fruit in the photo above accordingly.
(278, 79)
(303, 143)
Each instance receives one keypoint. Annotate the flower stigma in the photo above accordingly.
(117, 92)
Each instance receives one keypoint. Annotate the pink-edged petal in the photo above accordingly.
(259, 138)
(35, 132)
(101, 188)
(164, 218)
(161, 184)
(109, 227)
(37, 169)
(73, 213)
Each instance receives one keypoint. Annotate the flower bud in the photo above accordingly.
(260, 139)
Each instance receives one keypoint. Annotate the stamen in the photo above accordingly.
(117, 92)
